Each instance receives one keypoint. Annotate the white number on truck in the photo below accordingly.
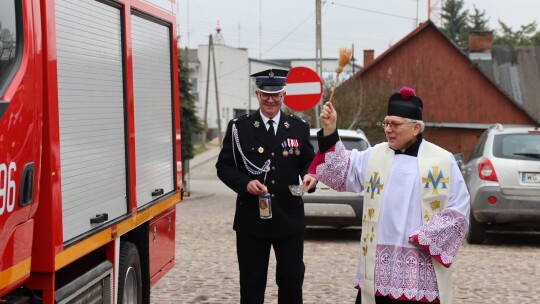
(7, 187)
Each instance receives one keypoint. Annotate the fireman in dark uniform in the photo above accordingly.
(261, 157)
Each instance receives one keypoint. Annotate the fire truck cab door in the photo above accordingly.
(21, 106)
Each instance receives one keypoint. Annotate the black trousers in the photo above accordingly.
(384, 300)
(253, 257)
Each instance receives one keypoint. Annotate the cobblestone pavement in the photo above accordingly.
(505, 270)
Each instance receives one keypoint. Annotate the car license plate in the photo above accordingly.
(529, 177)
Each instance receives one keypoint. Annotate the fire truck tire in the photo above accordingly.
(129, 275)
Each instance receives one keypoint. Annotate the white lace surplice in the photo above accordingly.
(402, 270)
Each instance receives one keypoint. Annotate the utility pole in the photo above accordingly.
(207, 87)
(352, 58)
(186, 57)
(187, 27)
(260, 29)
(211, 54)
(416, 19)
(318, 53)
(249, 87)
(217, 96)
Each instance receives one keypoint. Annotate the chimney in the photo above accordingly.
(480, 41)
(368, 56)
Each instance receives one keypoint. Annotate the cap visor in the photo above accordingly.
(271, 89)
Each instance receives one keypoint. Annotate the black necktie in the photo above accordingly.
(271, 131)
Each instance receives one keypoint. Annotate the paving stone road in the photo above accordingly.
(505, 270)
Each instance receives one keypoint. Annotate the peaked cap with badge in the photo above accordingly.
(271, 81)
(405, 104)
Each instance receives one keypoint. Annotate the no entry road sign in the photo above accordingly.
(304, 89)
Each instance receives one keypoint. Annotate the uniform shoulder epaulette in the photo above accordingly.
(299, 119)
(240, 118)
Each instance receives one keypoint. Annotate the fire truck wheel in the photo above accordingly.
(129, 275)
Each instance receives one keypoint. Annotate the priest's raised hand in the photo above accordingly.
(328, 118)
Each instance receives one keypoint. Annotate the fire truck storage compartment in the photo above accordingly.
(153, 108)
(161, 238)
(91, 114)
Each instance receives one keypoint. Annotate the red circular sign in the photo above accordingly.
(304, 89)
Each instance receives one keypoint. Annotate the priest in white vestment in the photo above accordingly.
(416, 205)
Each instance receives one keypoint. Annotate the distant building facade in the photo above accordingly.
(235, 88)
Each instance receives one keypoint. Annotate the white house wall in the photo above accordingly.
(232, 69)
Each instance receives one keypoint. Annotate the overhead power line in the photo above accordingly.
(297, 39)
(371, 11)
(290, 33)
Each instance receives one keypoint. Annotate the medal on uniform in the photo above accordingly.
(297, 152)
(261, 150)
(285, 152)
(290, 145)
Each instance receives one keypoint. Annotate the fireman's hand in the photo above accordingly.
(309, 182)
(255, 187)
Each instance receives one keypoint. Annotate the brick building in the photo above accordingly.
(463, 91)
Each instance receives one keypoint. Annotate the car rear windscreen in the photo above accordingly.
(517, 146)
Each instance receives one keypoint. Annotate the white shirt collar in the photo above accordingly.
(275, 119)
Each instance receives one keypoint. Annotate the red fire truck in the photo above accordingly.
(90, 168)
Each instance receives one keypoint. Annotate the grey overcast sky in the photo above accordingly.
(288, 26)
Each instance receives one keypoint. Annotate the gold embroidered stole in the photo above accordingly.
(435, 191)
(434, 165)
(378, 168)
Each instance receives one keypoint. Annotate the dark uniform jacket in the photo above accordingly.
(287, 210)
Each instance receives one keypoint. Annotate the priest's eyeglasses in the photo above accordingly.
(275, 96)
(394, 125)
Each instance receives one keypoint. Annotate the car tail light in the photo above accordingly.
(492, 200)
(486, 170)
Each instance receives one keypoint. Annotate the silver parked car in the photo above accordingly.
(326, 207)
(503, 178)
